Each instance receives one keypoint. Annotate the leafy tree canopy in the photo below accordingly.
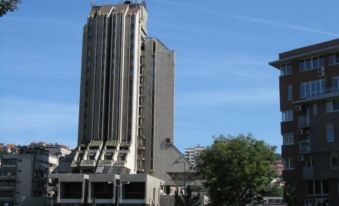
(8, 5)
(237, 169)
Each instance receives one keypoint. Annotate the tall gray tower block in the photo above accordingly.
(126, 98)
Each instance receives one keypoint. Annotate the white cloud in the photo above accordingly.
(251, 19)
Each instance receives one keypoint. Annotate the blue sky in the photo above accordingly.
(223, 82)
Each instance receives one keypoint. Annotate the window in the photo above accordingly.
(290, 93)
(288, 139)
(334, 160)
(133, 190)
(335, 83)
(289, 163)
(140, 132)
(313, 63)
(335, 105)
(141, 111)
(123, 157)
(109, 156)
(317, 187)
(315, 109)
(141, 100)
(285, 69)
(308, 162)
(329, 106)
(141, 90)
(91, 156)
(140, 164)
(332, 106)
(333, 59)
(329, 133)
(142, 79)
(312, 88)
(141, 121)
(287, 116)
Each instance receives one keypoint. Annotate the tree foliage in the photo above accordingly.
(274, 191)
(8, 5)
(290, 194)
(187, 198)
(237, 169)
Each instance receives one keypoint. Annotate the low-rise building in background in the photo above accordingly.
(24, 172)
(192, 153)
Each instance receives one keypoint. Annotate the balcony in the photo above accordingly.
(326, 94)
(123, 151)
(88, 163)
(120, 163)
(106, 163)
(308, 173)
(304, 147)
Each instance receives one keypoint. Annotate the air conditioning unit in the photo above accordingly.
(301, 158)
(168, 141)
(321, 72)
(300, 131)
(298, 108)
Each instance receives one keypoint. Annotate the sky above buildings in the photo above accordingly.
(223, 82)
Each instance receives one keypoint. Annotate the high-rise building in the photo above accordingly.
(127, 91)
(192, 153)
(309, 102)
(125, 151)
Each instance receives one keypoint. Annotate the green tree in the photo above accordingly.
(8, 5)
(237, 169)
(187, 198)
(290, 192)
(274, 191)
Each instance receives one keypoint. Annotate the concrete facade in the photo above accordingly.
(135, 189)
(125, 147)
(24, 176)
(309, 95)
(126, 114)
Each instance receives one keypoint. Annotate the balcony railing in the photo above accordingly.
(87, 163)
(120, 163)
(305, 147)
(325, 94)
(106, 163)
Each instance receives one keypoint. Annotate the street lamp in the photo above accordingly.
(51, 196)
(117, 193)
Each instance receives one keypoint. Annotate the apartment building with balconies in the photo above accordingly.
(24, 176)
(309, 102)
